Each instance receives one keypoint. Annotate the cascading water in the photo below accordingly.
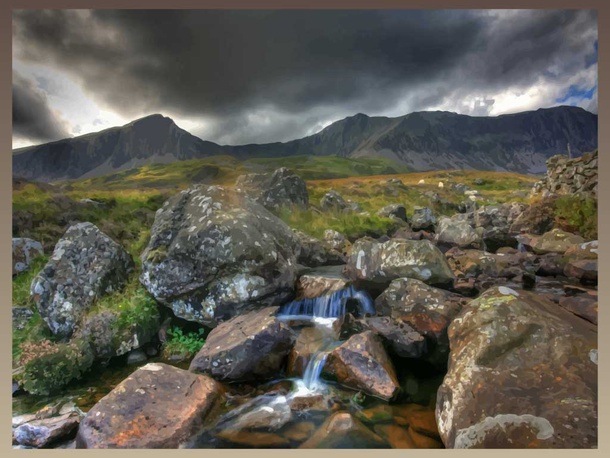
(311, 376)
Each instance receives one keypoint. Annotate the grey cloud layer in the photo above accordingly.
(259, 76)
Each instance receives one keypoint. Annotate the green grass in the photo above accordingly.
(577, 214)
(184, 344)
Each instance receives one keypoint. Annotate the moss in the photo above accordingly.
(577, 213)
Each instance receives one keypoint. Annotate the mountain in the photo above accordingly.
(518, 142)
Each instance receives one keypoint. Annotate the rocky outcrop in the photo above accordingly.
(282, 188)
(381, 263)
(158, 406)
(213, 253)
(85, 265)
(24, 251)
(522, 374)
(252, 346)
(569, 176)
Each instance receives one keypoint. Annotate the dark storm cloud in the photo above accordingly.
(273, 75)
(32, 117)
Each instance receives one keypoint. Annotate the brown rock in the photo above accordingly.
(254, 439)
(321, 281)
(300, 431)
(583, 305)
(342, 430)
(584, 270)
(423, 441)
(398, 336)
(396, 436)
(362, 363)
(310, 340)
(158, 406)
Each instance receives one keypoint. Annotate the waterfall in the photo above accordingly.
(332, 305)
(311, 376)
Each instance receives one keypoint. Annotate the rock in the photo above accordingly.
(583, 305)
(21, 317)
(382, 413)
(158, 406)
(422, 218)
(428, 310)
(555, 241)
(321, 281)
(254, 439)
(136, 356)
(452, 233)
(586, 250)
(311, 403)
(337, 241)
(393, 211)
(532, 386)
(252, 346)
(310, 340)
(316, 253)
(299, 432)
(395, 435)
(584, 270)
(537, 219)
(551, 265)
(214, 253)
(332, 200)
(85, 265)
(342, 430)
(44, 432)
(268, 413)
(423, 441)
(282, 188)
(383, 262)
(361, 363)
(24, 252)
(400, 338)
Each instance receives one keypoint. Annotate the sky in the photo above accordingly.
(239, 77)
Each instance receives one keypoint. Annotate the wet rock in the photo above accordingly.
(332, 200)
(395, 435)
(310, 340)
(86, 264)
(399, 337)
(382, 413)
(282, 188)
(394, 211)
(532, 386)
(24, 252)
(158, 406)
(583, 270)
(300, 431)
(583, 305)
(268, 413)
(342, 430)
(44, 432)
(21, 317)
(452, 233)
(556, 241)
(254, 439)
(252, 346)
(383, 262)
(316, 253)
(423, 441)
(321, 281)
(311, 403)
(214, 253)
(361, 363)
(422, 219)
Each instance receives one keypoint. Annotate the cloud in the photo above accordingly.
(259, 76)
(33, 119)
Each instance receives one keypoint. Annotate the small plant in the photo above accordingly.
(183, 344)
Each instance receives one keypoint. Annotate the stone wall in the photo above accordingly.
(569, 176)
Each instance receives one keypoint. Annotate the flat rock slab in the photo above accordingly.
(44, 432)
(158, 406)
(522, 374)
(251, 346)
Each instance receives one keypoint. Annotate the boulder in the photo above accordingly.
(251, 346)
(451, 232)
(321, 281)
(266, 412)
(587, 250)
(422, 219)
(393, 211)
(399, 337)
(537, 219)
(381, 263)
(332, 200)
(361, 363)
(24, 252)
(522, 374)
(584, 270)
(282, 188)
(555, 241)
(342, 430)
(158, 406)
(337, 241)
(316, 253)
(582, 305)
(45, 432)
(214, 253)
(310, 340)
(85, 265)
(21, 317)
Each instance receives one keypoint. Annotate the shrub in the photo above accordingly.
(48, 367)
(184, 345)
(577, 212)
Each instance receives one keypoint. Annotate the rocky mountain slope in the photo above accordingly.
(519, 142)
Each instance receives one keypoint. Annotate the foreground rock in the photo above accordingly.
(47, 431)
(282, 188)
(532, 369)
(383, 262)
(361, 363)
(213, 253)
(24, 252)
(584, 270)
(454, 233)
(158, 406)
(85, 265)
(251, 346)
(342, 430)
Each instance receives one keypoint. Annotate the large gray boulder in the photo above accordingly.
(381, 263)
(282, 188)
(422, 219)
(522, 374)
(332, 200)
(214, 253)
(85, 265)
(24, 252)
(453, 232)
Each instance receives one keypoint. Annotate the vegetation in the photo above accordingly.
(577, 213)
(184, 345)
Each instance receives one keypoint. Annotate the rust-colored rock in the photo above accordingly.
(310, 340)
(362, 363)
(321, 281)
(583, 305)
(158, 406)
(522, 373)
(254, 439)
(342, 430)
(395, 435)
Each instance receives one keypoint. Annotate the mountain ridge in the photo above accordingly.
(423, 140)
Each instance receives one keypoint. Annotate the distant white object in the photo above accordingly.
(473, 192)
(422, 181)
(473, 198)
(440, 184)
